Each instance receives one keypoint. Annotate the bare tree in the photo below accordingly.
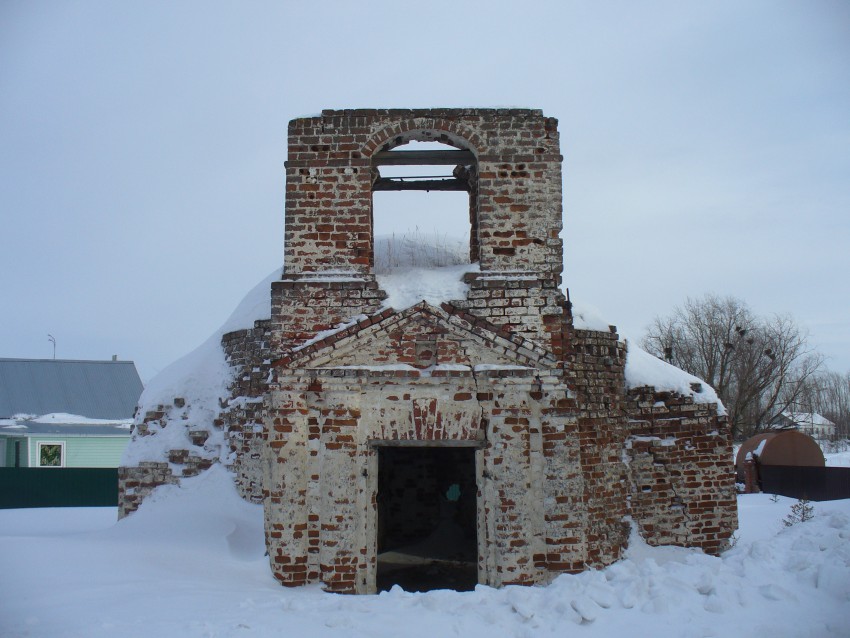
(828, 394)
(758, 366)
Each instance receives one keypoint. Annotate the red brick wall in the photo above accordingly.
(681, 473)
(595, 367)
(329, 184)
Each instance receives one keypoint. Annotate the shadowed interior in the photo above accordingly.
(427, 518)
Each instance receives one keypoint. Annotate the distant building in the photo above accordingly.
(60, 413)
(811, 423)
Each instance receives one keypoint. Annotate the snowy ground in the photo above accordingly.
(837, 459)
(190, 563)
(840, 459)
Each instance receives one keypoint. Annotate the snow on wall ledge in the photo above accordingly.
(644, 369)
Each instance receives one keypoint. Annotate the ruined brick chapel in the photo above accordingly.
(488, 439)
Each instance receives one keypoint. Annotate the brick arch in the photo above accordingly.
(417, 129)
(424, 129)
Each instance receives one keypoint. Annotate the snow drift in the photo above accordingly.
(190, 563)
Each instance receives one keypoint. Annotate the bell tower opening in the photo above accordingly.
(424, 204)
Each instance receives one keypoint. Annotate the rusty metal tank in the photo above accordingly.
(786, 447)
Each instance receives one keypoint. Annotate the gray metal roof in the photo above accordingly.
(93, 389)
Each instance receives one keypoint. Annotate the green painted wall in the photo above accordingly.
(84, 451)
(9, 457)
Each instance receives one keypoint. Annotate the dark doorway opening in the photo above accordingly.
(427, 518)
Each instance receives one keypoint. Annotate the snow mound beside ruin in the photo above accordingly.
(644, 369)
(201, 378)
(423, 266)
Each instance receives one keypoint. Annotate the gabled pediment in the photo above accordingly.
(420, 337)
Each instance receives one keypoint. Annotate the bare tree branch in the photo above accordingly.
(758, 366)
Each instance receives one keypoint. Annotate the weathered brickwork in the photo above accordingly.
(521, 303)
(374, 384)
(682, 485)
(136, 482)
(329, 184)
(234, 436)
(248, 354)
(595, 369)
(561, 455)
(305, 304)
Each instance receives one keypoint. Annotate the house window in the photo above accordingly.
(51, 454)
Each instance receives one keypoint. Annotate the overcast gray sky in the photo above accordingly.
(706, 145)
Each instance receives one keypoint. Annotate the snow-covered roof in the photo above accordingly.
(201, 378)
(418, 273)
(644, 369)
(808, 418)
(64, 424)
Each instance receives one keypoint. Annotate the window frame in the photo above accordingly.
(38, 447)
(440, 152)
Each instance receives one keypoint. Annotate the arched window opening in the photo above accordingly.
(424, 205)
